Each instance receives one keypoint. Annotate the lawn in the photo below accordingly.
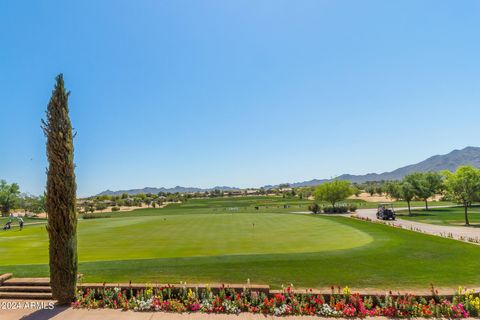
(454, 216)
(264, 204)
(217, 240)
(179, 236)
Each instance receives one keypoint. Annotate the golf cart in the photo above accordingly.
(385, 211)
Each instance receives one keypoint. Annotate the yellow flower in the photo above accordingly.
(149, 289)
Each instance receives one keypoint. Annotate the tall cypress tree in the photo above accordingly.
(61, 196)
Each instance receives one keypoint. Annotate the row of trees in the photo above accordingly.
(11, 199)
(126, 200)
(419, 185)
(102, 202)
(461, 186)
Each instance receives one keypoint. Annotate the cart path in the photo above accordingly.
(458, 233)
(466, 234)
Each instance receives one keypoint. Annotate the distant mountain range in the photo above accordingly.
(450, 161)
(176, 189)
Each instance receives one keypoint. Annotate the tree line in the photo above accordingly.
(12, 199)
(461, 186)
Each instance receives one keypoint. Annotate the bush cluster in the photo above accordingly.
(315, 208)
(339, 209)
(94, 216)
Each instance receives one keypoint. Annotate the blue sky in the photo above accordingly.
(239, 93)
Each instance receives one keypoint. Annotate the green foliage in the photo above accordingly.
(370, 190)
(402, 190)
(33, 204)
(463, 186)
(352, 208)
(425, 184)
(379, 190)
(392, 189)
(305, 192)
(434, 182)
(100, 206)
(9, 197)
(314, 208)
(333, 192)
(407, 192)
(356, 190)
(94, 216)
(61, 196)
(338, 209)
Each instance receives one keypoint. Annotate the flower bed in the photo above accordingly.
(286, 302)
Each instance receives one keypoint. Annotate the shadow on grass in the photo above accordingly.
(416, 215)
(422, 215)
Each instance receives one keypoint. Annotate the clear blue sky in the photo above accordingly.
(239, 93)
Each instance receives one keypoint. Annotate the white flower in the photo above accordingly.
(143, 305)
(327, 311)
(280, 311)
(230, 307)
(205, 306)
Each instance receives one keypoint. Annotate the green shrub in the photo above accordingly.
(315, 208)
(100, 206)
(114, 209)
(352, 208)
(341, 209)
(94, 216)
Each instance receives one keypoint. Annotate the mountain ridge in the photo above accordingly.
(450, 161)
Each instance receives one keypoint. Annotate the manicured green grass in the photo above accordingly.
(214, 240)
(248, 204)
(174, 236)
(454, 216)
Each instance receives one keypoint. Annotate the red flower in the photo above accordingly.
(279, 297)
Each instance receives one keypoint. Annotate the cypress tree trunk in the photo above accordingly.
(61, 196)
